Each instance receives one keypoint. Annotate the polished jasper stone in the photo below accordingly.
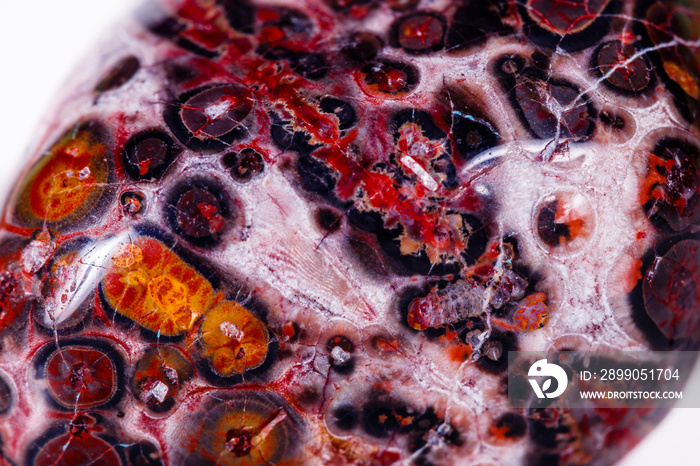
(310, 232)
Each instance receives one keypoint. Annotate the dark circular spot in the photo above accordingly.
(475, 21)
(120, 74)
(210, 118)
(144, 454)
(536, 99)
(380, 419)
(541, 60)
(329, 219)
(363, 47)
(133, 203)
(615, 62)
(345, 417)
(245, 165)
(472, 135)
(148, 154)
(511, 425)
(312, 66)
(240, 14)
(419, 32)
(509, 66)
(316, 176)
(612, 120)
(341, 109)
(199, 211)
(388, 77)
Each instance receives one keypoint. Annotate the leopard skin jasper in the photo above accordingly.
(309, 232)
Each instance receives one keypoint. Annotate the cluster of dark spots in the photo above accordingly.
(316, 176)
(389, 78)
(244, 165)
(362, 47)
(287, 139)
(159, 23)
(119, 74)
(148, 154)
(419, 32)
(310, 65)
(429, 425)
(278, 24)
(567, 25)
(211, 117)
(200, 211)
(341, 358)
(509, 426)
(240, 14)
(476, 21)
(547, 428)
(382, 416)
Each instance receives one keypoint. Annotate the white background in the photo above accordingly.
(40, 42)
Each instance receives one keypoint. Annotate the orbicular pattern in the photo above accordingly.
(277, 232)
